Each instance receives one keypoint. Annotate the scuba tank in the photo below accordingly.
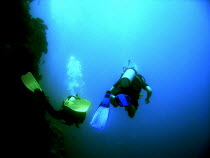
(126, 79)
(128, 75)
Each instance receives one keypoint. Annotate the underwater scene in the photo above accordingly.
(114, 78)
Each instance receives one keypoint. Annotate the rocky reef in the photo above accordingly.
(29, 129)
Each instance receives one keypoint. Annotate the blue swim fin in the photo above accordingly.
(101, 115)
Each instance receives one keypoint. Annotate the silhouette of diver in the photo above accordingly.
(73, 109)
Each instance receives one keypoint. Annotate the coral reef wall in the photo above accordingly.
(24, 37)
(29, 130)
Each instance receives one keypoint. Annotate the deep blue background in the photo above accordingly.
(168, 40)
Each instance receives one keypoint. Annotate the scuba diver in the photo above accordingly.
(73, 109)
(124, 93)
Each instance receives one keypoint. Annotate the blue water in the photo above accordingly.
(167, 40)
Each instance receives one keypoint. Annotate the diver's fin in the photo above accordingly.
(79, 105)
(101, 115)
(30, 82)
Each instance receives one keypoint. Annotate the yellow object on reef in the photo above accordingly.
(79, 105)
(30, 82)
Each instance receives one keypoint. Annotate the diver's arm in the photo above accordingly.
(149, 94)
(47, 105)
(112, 91)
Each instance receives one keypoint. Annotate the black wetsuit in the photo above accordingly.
(70, 116)
(138, 83)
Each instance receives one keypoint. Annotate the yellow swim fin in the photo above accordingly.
(30, 82)
(79, 105)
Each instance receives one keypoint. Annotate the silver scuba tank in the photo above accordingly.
(129, 74)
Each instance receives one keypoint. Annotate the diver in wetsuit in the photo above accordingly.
(126, 91)
(73, 109)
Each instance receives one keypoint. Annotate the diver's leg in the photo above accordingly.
(113, 101)
(131, 110)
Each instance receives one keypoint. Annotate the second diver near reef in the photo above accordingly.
(124, 93)
(73, 109)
